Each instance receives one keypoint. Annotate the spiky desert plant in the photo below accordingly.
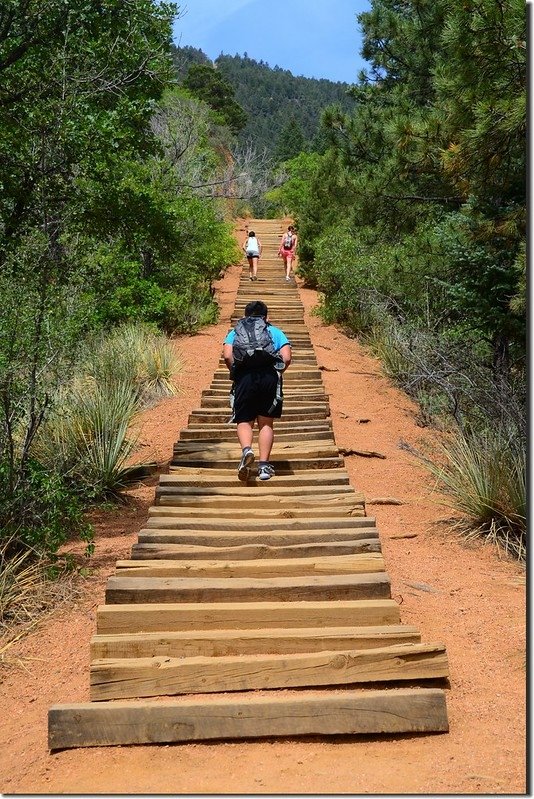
(88, 435)
(135, 354)
(483, 476)
(102, 429)
(159, 365)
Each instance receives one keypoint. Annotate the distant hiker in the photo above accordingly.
(287, 249)
(252, 249)
(256, 353)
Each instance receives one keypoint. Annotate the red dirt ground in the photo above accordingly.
(475, 605)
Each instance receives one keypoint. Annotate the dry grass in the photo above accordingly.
(28, 595)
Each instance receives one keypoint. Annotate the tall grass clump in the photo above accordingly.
(483, 476)
(136, 355)
(89, 434)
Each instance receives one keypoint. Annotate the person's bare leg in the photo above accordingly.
(250, 263)
(254, 268)
(265, 437)
(244, 433)
(288, 262)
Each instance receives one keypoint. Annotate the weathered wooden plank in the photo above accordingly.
(197, 477)
(201, 515)
(247, 491)
(219, 643)
(113, 619)
(263, 502)
(227, 538)
(283, 467)
(222, 450)
(218, 416)
(341, 564)
(319, 713)
(323, 517)
(126, 678)
(249, 551)
(335, 525)
(121, 590)
(229, 436)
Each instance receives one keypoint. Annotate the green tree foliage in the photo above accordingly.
(433, 159)
(412, 223)
(206, 83)
(290, 142)
(100, 221)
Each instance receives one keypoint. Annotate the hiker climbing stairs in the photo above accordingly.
(237, 593)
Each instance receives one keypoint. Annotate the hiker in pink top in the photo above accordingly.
(287, 249)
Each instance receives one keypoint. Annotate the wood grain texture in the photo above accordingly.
(342, 564)
(220, 643)
(344, 712)
(126, 678)
(247, 551)
(113, 619)
(122, 590)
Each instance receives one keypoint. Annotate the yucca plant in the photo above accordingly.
(102, 429)
(88, 435)
(159, 365)
(115, 357)
(134, 354)
(483, 476)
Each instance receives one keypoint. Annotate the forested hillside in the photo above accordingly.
(283, 110)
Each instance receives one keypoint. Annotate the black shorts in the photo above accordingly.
(255, 395)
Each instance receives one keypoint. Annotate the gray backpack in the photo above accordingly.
(253, 346)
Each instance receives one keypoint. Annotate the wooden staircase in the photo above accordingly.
(233, 589)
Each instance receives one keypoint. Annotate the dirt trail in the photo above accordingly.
(463, 596)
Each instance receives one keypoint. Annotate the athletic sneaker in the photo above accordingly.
(288, 279)
(243, 470)
(265, 471)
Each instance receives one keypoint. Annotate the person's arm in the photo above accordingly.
(285, 354)
(259, 246)
(228, 355)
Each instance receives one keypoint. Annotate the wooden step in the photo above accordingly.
(125, 678)
(229, 435)
(271, 490)
(219, 643)
(405, 710)
(123, 590)
(158, 617)
(279, 567)
(264, 518)
(175, 551)
(198, 477)
(262, 502)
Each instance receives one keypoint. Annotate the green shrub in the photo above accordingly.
(41, 512)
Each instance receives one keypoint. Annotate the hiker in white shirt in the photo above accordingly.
(252, 249)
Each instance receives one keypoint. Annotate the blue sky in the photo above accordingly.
(314, 38)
